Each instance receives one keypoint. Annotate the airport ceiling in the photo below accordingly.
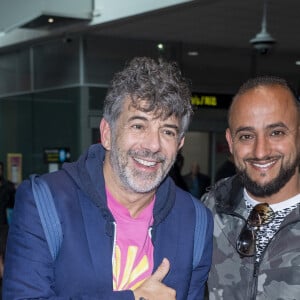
(220, 31)
(223, 23)
(223, 28)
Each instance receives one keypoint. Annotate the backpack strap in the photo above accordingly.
(48, 214)
(200, 231)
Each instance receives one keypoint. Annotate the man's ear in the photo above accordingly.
(105, 133)
(229, 139)
(181, 143)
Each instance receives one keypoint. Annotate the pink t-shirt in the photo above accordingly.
(133, 253)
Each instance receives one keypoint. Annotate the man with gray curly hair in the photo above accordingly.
(128, 230)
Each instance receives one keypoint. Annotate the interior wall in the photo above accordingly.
(31, 123)
(196, 149)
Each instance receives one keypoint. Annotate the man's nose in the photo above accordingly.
(152, 141)
(262, 147)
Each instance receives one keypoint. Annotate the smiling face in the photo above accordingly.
(264, 140)
(141, 148)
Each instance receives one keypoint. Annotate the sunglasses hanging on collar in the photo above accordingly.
(261, 214)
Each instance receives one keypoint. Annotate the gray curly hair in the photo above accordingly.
(160, 84)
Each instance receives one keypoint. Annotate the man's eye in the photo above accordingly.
(245, 137)
(170, 132)
(277, 133)
(137, 126)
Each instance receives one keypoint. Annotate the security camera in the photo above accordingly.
(263, 42)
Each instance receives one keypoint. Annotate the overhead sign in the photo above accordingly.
(202, 100)
(57, 155)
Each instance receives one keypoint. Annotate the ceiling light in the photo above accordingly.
(193, 53)
(50, 20)
(160, 46)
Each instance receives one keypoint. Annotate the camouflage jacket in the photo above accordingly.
(275, 277)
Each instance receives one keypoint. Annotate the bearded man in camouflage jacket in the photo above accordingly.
(257, 212)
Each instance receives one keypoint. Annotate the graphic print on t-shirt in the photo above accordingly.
(133, 252)
(131, 276)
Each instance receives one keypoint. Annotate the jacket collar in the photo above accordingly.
(229, 199)
(229, 194)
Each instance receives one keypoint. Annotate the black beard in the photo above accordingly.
(273, 186)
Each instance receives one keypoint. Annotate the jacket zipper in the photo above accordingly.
(150, 232)
(257, 264)
(114, 243)
(255, 280)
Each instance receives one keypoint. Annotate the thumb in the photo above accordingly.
(162, 270)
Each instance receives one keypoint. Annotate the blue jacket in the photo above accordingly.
(83, 268)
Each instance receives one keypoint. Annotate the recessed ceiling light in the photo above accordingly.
(193, 53)
(160, 46)
(298, 62)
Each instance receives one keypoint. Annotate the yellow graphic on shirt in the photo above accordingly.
(130, 273)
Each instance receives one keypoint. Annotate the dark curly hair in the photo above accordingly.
(159, 83)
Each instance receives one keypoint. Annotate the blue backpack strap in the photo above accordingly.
(200, 231)
(48, 215)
